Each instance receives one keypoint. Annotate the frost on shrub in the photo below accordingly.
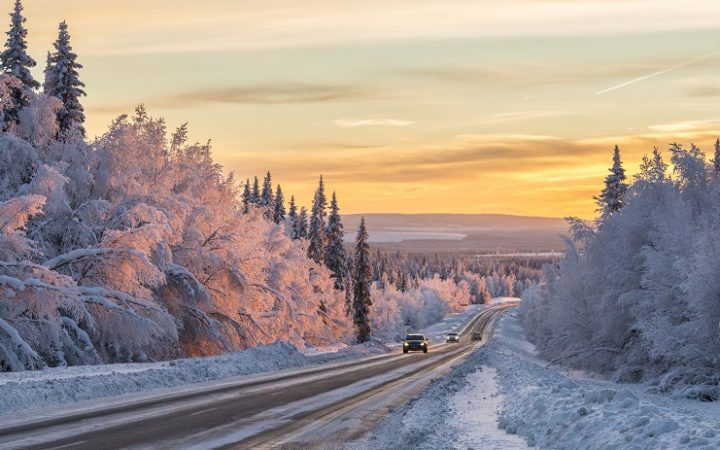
(641, 301)
(133, 249)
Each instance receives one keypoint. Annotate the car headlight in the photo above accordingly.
(405, 344)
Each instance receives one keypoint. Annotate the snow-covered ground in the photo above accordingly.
(505, 397)
(70, 385)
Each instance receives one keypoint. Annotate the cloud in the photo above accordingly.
(284, 93)
(353, 123)
(701, 87)
(689, 126)
(222, 25)
(268, 94)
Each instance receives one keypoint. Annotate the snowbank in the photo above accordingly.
(64, 385)
(38, 389)
(551, 409)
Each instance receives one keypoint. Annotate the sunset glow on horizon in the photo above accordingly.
(453, 106)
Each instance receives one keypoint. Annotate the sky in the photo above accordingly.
(410, 106)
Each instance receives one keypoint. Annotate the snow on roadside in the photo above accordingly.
(23, 391)
(39, 389)
(551, 409)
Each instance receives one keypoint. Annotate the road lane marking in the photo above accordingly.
(67, 445)
(203, 411)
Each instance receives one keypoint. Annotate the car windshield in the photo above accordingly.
(414, 337)
(452, 334)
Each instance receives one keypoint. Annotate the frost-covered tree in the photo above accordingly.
(62, 81)
(362, 280)
(293, 219)
(246, 197)
(316, 231)
(302, 224)
(716, 158)
(279, 206)
(256, 199)
(266, 196)
(640, 300)
(611, 198)
(17, 63)
(335, 253)
(15, 59)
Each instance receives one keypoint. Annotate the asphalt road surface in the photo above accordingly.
(317, 407)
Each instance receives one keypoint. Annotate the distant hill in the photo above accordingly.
(466, 233)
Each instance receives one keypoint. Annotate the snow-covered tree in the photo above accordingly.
(279, 206)
(266, 197)
(293, 219)
(611, 198)
(256, 199)
(302, 224)
(246, 196)
(17, 63)
(316, 231)
(335, 253)
(62, 81)
(15, 59)
(362, 279)
(716, 158)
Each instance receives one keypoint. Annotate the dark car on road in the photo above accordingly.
(415, 343)
(453, 338)
(477, 336)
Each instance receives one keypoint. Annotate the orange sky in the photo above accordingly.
(414, 106)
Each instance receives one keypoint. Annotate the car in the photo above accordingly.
(477, 336)
(415, 343)
(452, 338)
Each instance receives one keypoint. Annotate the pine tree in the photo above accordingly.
(316, 233)
(716, 161)
(16, 62)
(335, 254)
(361, 285)
(246, 197)
(279, 209)
(266, 197)
(293, 217)
(611, 198)
(255, 195)
(62, 82)
(302, 226)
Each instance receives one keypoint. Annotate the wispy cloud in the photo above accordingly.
(658, 73)
(688, 126)
(353, 123)
(270, 94)
(702, 87)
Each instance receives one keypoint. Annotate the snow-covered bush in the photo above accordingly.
(395, 312)
(134, 249)
(641, 301)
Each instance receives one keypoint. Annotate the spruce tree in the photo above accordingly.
(335, 254)
(255, 195)
(266, 197)
(16, 62)
(279, 209)
(246, 197)
(293, 217)
(316, 233)
(611, 198)
(716, 161)
(302, 226)
(62, 82)
(361, 285)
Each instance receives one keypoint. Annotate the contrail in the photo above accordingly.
(652, 75)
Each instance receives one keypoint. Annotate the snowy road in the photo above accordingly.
(308, 408)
